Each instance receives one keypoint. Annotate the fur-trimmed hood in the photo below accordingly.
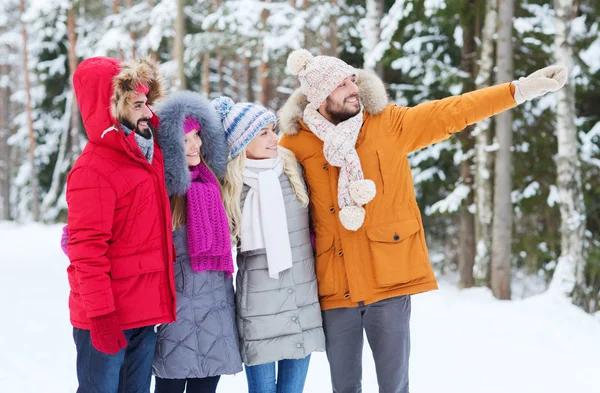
(371, 93)
(103, 86)
(172, 113)
(133, 73)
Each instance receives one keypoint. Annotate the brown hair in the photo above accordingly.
(179, 203)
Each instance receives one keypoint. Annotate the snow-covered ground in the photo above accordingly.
(462, 341)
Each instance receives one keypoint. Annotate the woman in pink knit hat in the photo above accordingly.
(202, 344)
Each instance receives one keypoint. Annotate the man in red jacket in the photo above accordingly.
(119, 246)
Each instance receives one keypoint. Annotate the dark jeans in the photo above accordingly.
(290, 376)
(387, 325)
(129, 371)
(194, 385)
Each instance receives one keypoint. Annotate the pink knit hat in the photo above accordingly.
(190, 124)
(319, 76)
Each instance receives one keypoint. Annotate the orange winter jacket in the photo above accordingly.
(387, 256)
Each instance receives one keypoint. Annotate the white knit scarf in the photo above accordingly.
(339, 143)
(264, 219)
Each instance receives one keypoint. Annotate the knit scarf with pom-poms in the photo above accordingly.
(207, 225)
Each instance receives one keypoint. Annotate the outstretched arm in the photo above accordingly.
(434, 121)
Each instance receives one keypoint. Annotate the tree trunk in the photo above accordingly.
(249, 79)
(466, 256)
(220, 65)
(333, 32)
(180, 83)
(73, 62)
(70, 130)
(116, 12)
(206, 75)
(569, 276)
(237, 77)
(308, 41)
(379, 68)
(132, 34)
(484, 160)
(35, 199)
(502, 225)
(5, 120)
(263, 71)
(372, 32)
(61, 166)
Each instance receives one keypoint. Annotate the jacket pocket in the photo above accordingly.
(324, 260)
(398, 255)
(136, 264)
(384, 173)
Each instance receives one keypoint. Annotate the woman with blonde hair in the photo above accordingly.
(277, 306)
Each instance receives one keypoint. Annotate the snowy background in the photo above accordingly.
(462, 341)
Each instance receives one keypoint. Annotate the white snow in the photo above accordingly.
(462, 341)
(452, 202)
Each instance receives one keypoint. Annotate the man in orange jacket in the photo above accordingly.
(371, 253)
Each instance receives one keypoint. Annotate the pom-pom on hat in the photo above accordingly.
(319, 76)
(242, 122)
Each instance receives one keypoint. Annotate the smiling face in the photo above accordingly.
(342, 103)
(264, 144)
(192, 142)
(138, 115)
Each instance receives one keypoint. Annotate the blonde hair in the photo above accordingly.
(233, 185)
(179, 203)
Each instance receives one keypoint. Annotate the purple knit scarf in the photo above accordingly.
(207, 225)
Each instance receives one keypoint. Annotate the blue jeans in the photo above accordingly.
(290, 378)
(129, 371)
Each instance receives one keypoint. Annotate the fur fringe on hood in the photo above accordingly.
(144, 71)
(371, 93)
(172, 112)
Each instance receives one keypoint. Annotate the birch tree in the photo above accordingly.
(569, 276)
(502, 225)
(5, 121)
(484, 159)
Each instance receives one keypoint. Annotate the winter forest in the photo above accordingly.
(512, 204)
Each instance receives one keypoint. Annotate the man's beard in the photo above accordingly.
(145, 132)
(340, 113)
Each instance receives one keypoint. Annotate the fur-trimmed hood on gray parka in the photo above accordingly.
(371, 93)
(172, 114)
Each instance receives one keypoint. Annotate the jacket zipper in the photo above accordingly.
(142, 160)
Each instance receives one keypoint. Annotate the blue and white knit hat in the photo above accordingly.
(242, 122)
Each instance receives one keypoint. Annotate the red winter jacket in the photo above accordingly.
(119, 219)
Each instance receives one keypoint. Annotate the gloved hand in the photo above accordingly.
(64, 239)
(106, 334)
(547, 79)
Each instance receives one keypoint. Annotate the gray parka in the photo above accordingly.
(279, 318)
(203, 341)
